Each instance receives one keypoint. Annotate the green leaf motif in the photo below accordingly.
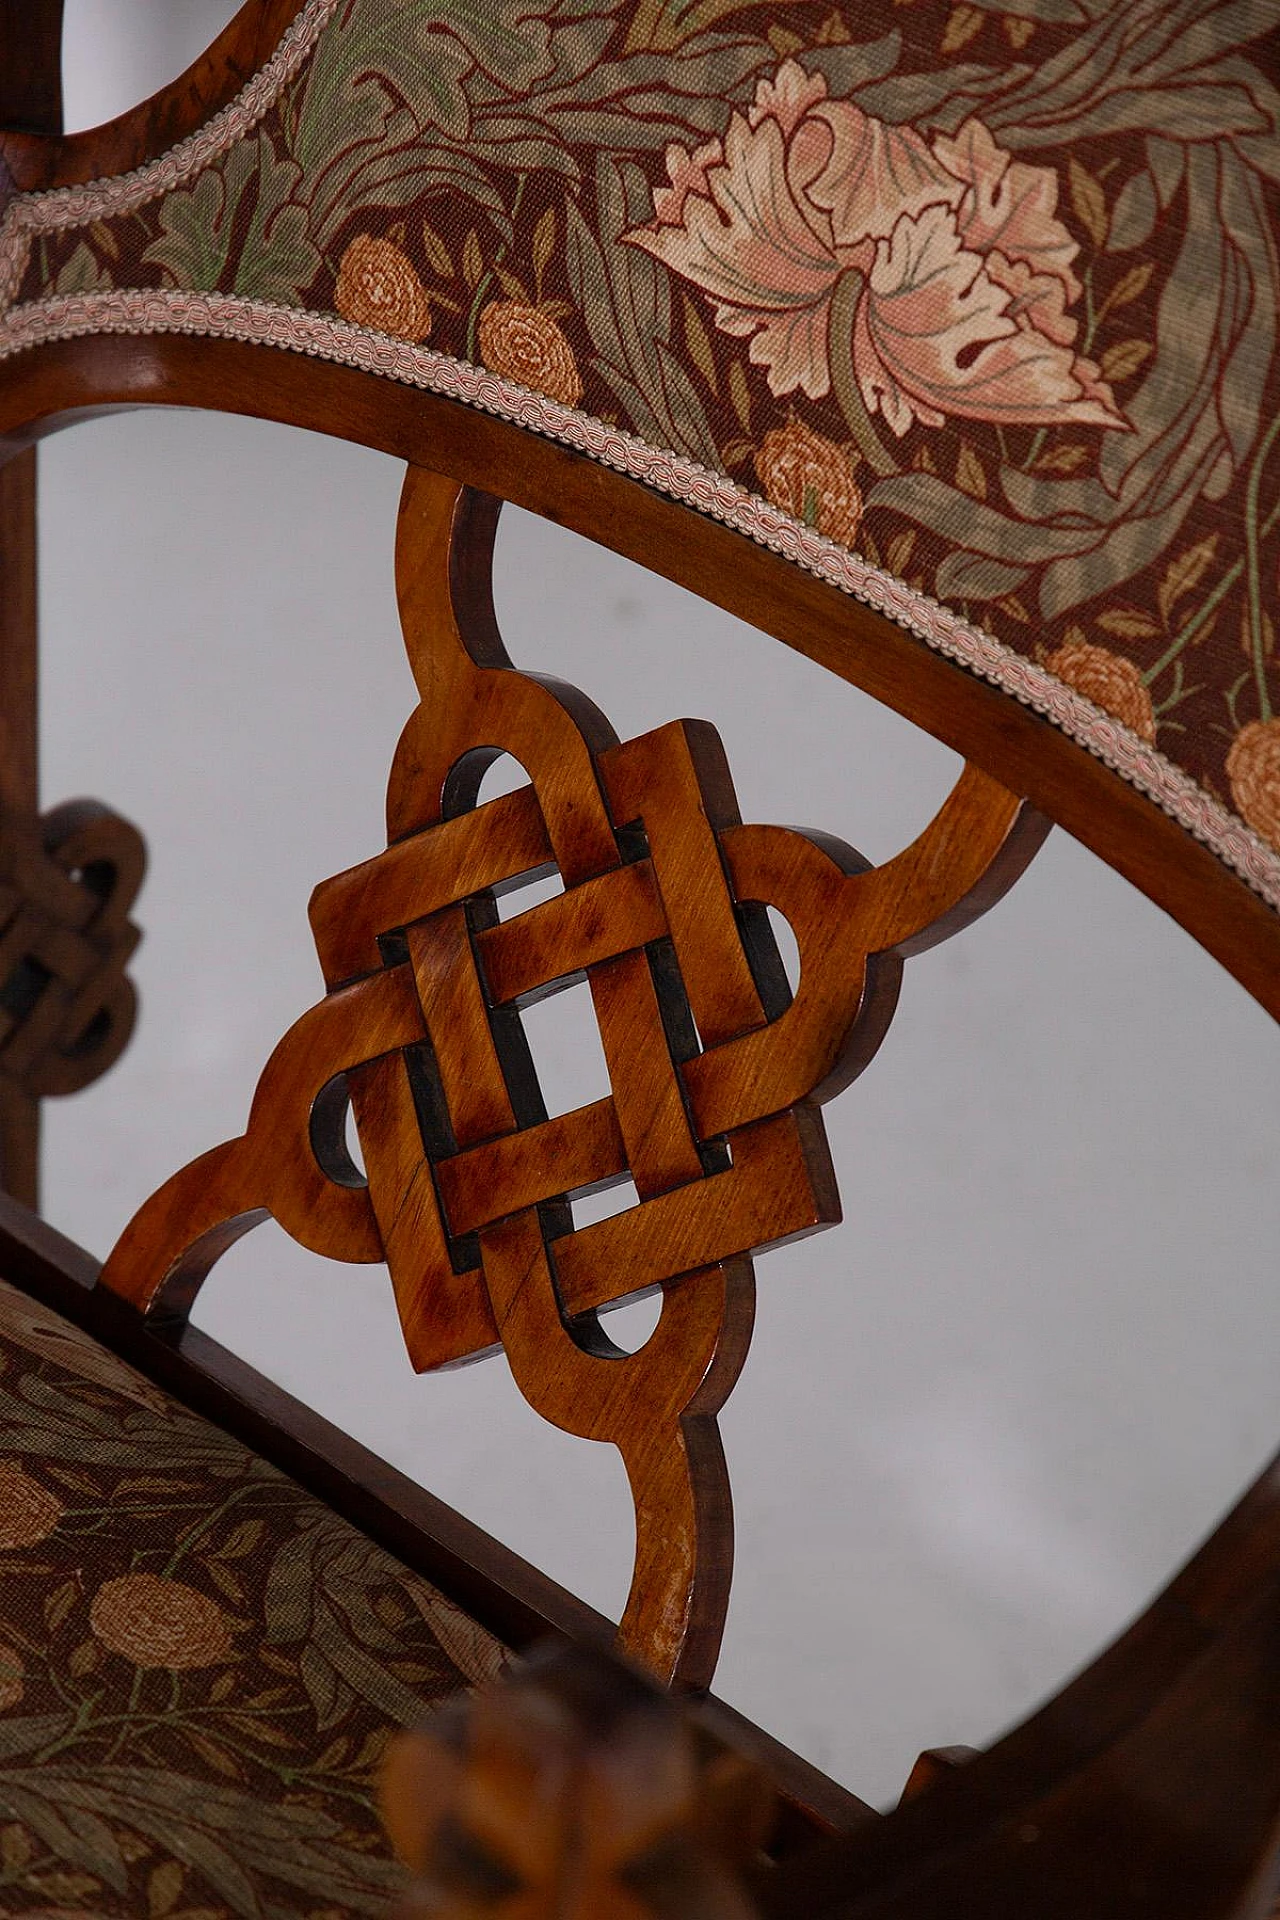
(278, 259)
(624, 296)
(1151, 68)
(77, 1836)
(1051, 12)
(29, 1734)
(329, 1694)
(1133, 218)
(638, 103)
(664, 25)
(231, 1837)
(195, 234)
(289, 1586)
(376, 63)
(83, 273)
(402, 169)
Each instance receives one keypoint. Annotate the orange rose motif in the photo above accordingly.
(378, 287)
(28, 1512)
(10, 1679)
(157, 1622)
(937, 268)
(1253, 768)
(808, 476)
(1112, 683)
(525, 344)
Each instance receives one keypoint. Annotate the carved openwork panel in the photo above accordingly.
(716, 1068)
(710, 1078)
(67, 884)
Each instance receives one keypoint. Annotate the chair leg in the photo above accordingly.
(19, 764)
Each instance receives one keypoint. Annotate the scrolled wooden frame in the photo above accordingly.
(1151, 1784)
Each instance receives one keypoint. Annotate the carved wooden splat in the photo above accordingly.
(716, 1071)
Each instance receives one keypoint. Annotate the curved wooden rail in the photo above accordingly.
(36, 156)
(1150, 1785)
(57, 384)
(31, 97)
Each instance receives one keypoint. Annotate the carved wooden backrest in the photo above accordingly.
(716, 1069)
(946, 352)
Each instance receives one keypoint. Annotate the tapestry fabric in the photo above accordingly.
(200, 1664)
(970, 308)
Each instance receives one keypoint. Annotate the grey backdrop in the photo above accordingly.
(983, 1418)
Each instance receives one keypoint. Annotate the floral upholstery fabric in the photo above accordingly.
(200, 1664)
(983, 295)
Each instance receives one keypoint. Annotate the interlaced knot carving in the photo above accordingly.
(67, 883)
(716, 1070)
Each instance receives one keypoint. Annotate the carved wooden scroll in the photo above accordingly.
(716, 1069)
(67, 1007)
(568, 1790)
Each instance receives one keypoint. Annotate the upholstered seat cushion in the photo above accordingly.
(200, 1664)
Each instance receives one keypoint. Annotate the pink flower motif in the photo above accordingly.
(958, 271)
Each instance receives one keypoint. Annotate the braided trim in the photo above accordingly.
(79, 206)
(229, 317)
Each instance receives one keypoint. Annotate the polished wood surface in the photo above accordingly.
(34, 152)
(715, 1070)
(1151, 1785)
(1196, 1670)
(572, 1789)
(54, 384)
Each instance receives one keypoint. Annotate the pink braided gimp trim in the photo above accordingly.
(228, 317)
(60, 207)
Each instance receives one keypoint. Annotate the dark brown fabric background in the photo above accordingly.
(200, 1665)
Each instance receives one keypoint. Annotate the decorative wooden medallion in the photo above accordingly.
(67, 883)
(716, 1070)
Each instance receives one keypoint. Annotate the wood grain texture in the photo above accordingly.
(570, 1790)
(1017, 747)
(30, 99)
(37, 155)
(658, 1406)
(470, 1184)
(1149, 1786)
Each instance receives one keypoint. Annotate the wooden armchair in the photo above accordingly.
(943, 350)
